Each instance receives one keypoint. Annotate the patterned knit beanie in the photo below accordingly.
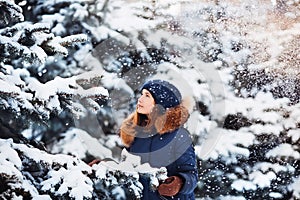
(163, 92)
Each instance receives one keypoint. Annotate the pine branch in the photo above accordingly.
(34, 42)
(70, 40)
(10, 13)
(57, 45)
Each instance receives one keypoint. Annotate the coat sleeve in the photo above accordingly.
(186, 166)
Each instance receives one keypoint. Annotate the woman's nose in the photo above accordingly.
(140, 98)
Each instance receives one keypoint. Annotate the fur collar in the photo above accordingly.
(170, 120)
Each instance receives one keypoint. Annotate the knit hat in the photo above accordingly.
(163, 92)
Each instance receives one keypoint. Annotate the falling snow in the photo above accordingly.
(70, 72)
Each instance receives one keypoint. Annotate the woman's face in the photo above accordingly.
(145, 102)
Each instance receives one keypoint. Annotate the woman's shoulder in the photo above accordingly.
(182, 131)
(183, 135)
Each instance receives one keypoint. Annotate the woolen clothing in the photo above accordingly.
(163, 93)
(173, 150)
(167, 145)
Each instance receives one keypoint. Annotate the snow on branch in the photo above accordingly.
(89, 79)
(69, 40)
(227, 143)
(295, 187)
(72, 182)
(58, 44)
(130, 165)
(36, 174)
(18, 161)
(77, 142)
(34, 42)
(10, 12)
(284, 150)
(22, 93)
(38, 27)
(67, 90)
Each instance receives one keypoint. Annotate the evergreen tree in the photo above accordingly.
(47, 91)
(251, 150)
(70, 70)
(23, 97)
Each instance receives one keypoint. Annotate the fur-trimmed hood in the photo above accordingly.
(165, 121)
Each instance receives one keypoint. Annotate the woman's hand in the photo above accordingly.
(171, 186)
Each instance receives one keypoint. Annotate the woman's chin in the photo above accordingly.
(141, 111)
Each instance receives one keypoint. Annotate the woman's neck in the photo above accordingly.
(143, 120)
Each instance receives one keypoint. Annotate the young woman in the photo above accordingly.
(155, 132)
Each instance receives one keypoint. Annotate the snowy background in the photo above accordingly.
(70, 72)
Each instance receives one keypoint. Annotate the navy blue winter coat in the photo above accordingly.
(170, 147)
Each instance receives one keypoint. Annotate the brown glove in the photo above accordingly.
(96, 161)
(171, 186)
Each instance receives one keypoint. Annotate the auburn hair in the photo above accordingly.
(160, 121)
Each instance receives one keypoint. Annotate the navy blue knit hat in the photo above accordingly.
(163, 92)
